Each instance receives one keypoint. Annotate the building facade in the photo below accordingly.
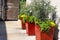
(9, 9)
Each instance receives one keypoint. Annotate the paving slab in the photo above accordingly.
(14, 31)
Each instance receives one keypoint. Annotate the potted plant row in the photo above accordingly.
(44, 27)
(28, 23)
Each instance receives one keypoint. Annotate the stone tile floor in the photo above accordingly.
(14, 31)
(11, 30)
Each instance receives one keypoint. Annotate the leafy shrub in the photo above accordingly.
(22, 6)
(46, 25)
(24, 17)
(41, 8)
(31, 19)
(19, 16)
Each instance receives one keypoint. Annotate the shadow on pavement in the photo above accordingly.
(3, 33)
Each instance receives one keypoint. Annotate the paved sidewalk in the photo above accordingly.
(14, 31)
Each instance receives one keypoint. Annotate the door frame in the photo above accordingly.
(2, 10)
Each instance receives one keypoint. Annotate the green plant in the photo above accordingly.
(24, 18)
(45, 26)
(19, 16)
(31, 19)
(41, 8)
(22, 6)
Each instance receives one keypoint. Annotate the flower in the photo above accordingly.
(52, 24)
(23, 15)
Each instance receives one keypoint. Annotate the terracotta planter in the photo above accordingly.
(20, 18)
(22, 24)
(30, 28)
(43, 35)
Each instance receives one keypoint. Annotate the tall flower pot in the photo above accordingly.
(30, 28)
(22, 24)
(43, 35)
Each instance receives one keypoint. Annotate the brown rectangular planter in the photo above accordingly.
(43, 35)
(30, 28)
(22, 24)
